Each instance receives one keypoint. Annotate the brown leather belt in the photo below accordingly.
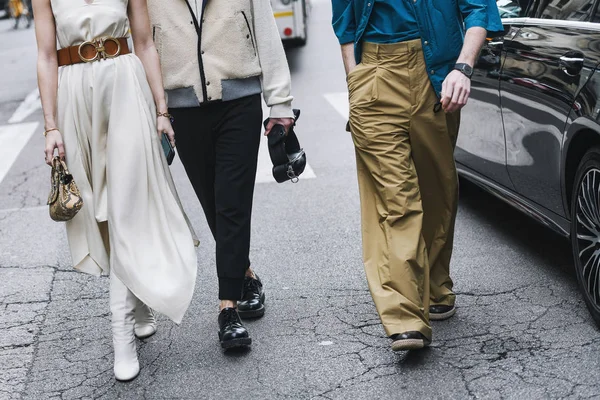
(97, 49)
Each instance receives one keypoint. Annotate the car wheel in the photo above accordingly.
(585, 229)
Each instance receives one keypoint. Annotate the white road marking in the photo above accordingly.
(264, 172)
(29, 105)
(339, 101)
(326, 343)
(13, 138)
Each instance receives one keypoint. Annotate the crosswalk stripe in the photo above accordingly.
(339, 101)
(29, 105)
(13, 138)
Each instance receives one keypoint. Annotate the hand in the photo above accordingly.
(286, 122)
(163, 124)
(54, 141)
(350, 68)
(455, 91)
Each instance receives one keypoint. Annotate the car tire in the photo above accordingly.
(585, 230)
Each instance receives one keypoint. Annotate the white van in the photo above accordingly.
(291, 18)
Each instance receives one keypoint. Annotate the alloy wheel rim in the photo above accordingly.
(588, 233)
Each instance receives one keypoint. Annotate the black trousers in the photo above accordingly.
(218, 145)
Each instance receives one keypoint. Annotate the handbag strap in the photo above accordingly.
(60, 166)
(57, 163)
(64, 167)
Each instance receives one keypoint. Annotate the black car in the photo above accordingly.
(530, 133)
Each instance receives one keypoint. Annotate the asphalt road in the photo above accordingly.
(521, 331)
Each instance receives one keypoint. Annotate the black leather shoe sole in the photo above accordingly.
(233, 343)
(250, 314)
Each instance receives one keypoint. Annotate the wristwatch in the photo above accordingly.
(466, 69)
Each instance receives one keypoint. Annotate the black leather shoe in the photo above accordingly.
(252, 304)
(231, 331)
(412, 340)
(441, 312)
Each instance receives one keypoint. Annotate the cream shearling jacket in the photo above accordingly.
(240, 52)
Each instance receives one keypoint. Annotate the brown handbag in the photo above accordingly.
(65, 199)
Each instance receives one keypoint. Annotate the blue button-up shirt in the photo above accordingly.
(442, 24)
(391, 21)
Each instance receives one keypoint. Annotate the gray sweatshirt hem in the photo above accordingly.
(232, 89)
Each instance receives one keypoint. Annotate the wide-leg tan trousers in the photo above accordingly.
(407, 181)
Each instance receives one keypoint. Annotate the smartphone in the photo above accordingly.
(167, 148)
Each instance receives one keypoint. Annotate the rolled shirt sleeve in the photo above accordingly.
(481, 13)
(343, 21)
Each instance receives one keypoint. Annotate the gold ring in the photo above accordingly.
(100, 49)
(115, 41)
(84, 59)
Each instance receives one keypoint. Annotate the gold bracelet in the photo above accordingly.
(49, 130)
(166, 115)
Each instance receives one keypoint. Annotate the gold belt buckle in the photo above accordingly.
(98, 45)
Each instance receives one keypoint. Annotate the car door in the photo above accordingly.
(481, 145)
(542, 73)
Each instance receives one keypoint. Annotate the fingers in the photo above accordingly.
(446, 94)
(48, 157)
(163, 126)
(287, 123)
(464, 97)
(171, 134)
(49, 152)
(455, 94)
(459, 99)
(270, 126)
(447, 97)
(61, 149)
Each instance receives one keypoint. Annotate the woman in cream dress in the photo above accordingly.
(105, 118)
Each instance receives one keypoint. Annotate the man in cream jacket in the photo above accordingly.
(217, 58)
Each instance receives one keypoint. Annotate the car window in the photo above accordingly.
(512, 8)
(571, 10)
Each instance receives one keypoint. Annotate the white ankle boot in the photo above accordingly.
(122, 306)
(145, 323)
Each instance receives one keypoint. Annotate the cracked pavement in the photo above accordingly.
(522, 330)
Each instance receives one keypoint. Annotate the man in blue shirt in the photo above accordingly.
(409, 64)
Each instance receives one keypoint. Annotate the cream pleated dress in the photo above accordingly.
(132, 221)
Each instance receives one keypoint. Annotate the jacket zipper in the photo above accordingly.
(199, 33)
(249, 31)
